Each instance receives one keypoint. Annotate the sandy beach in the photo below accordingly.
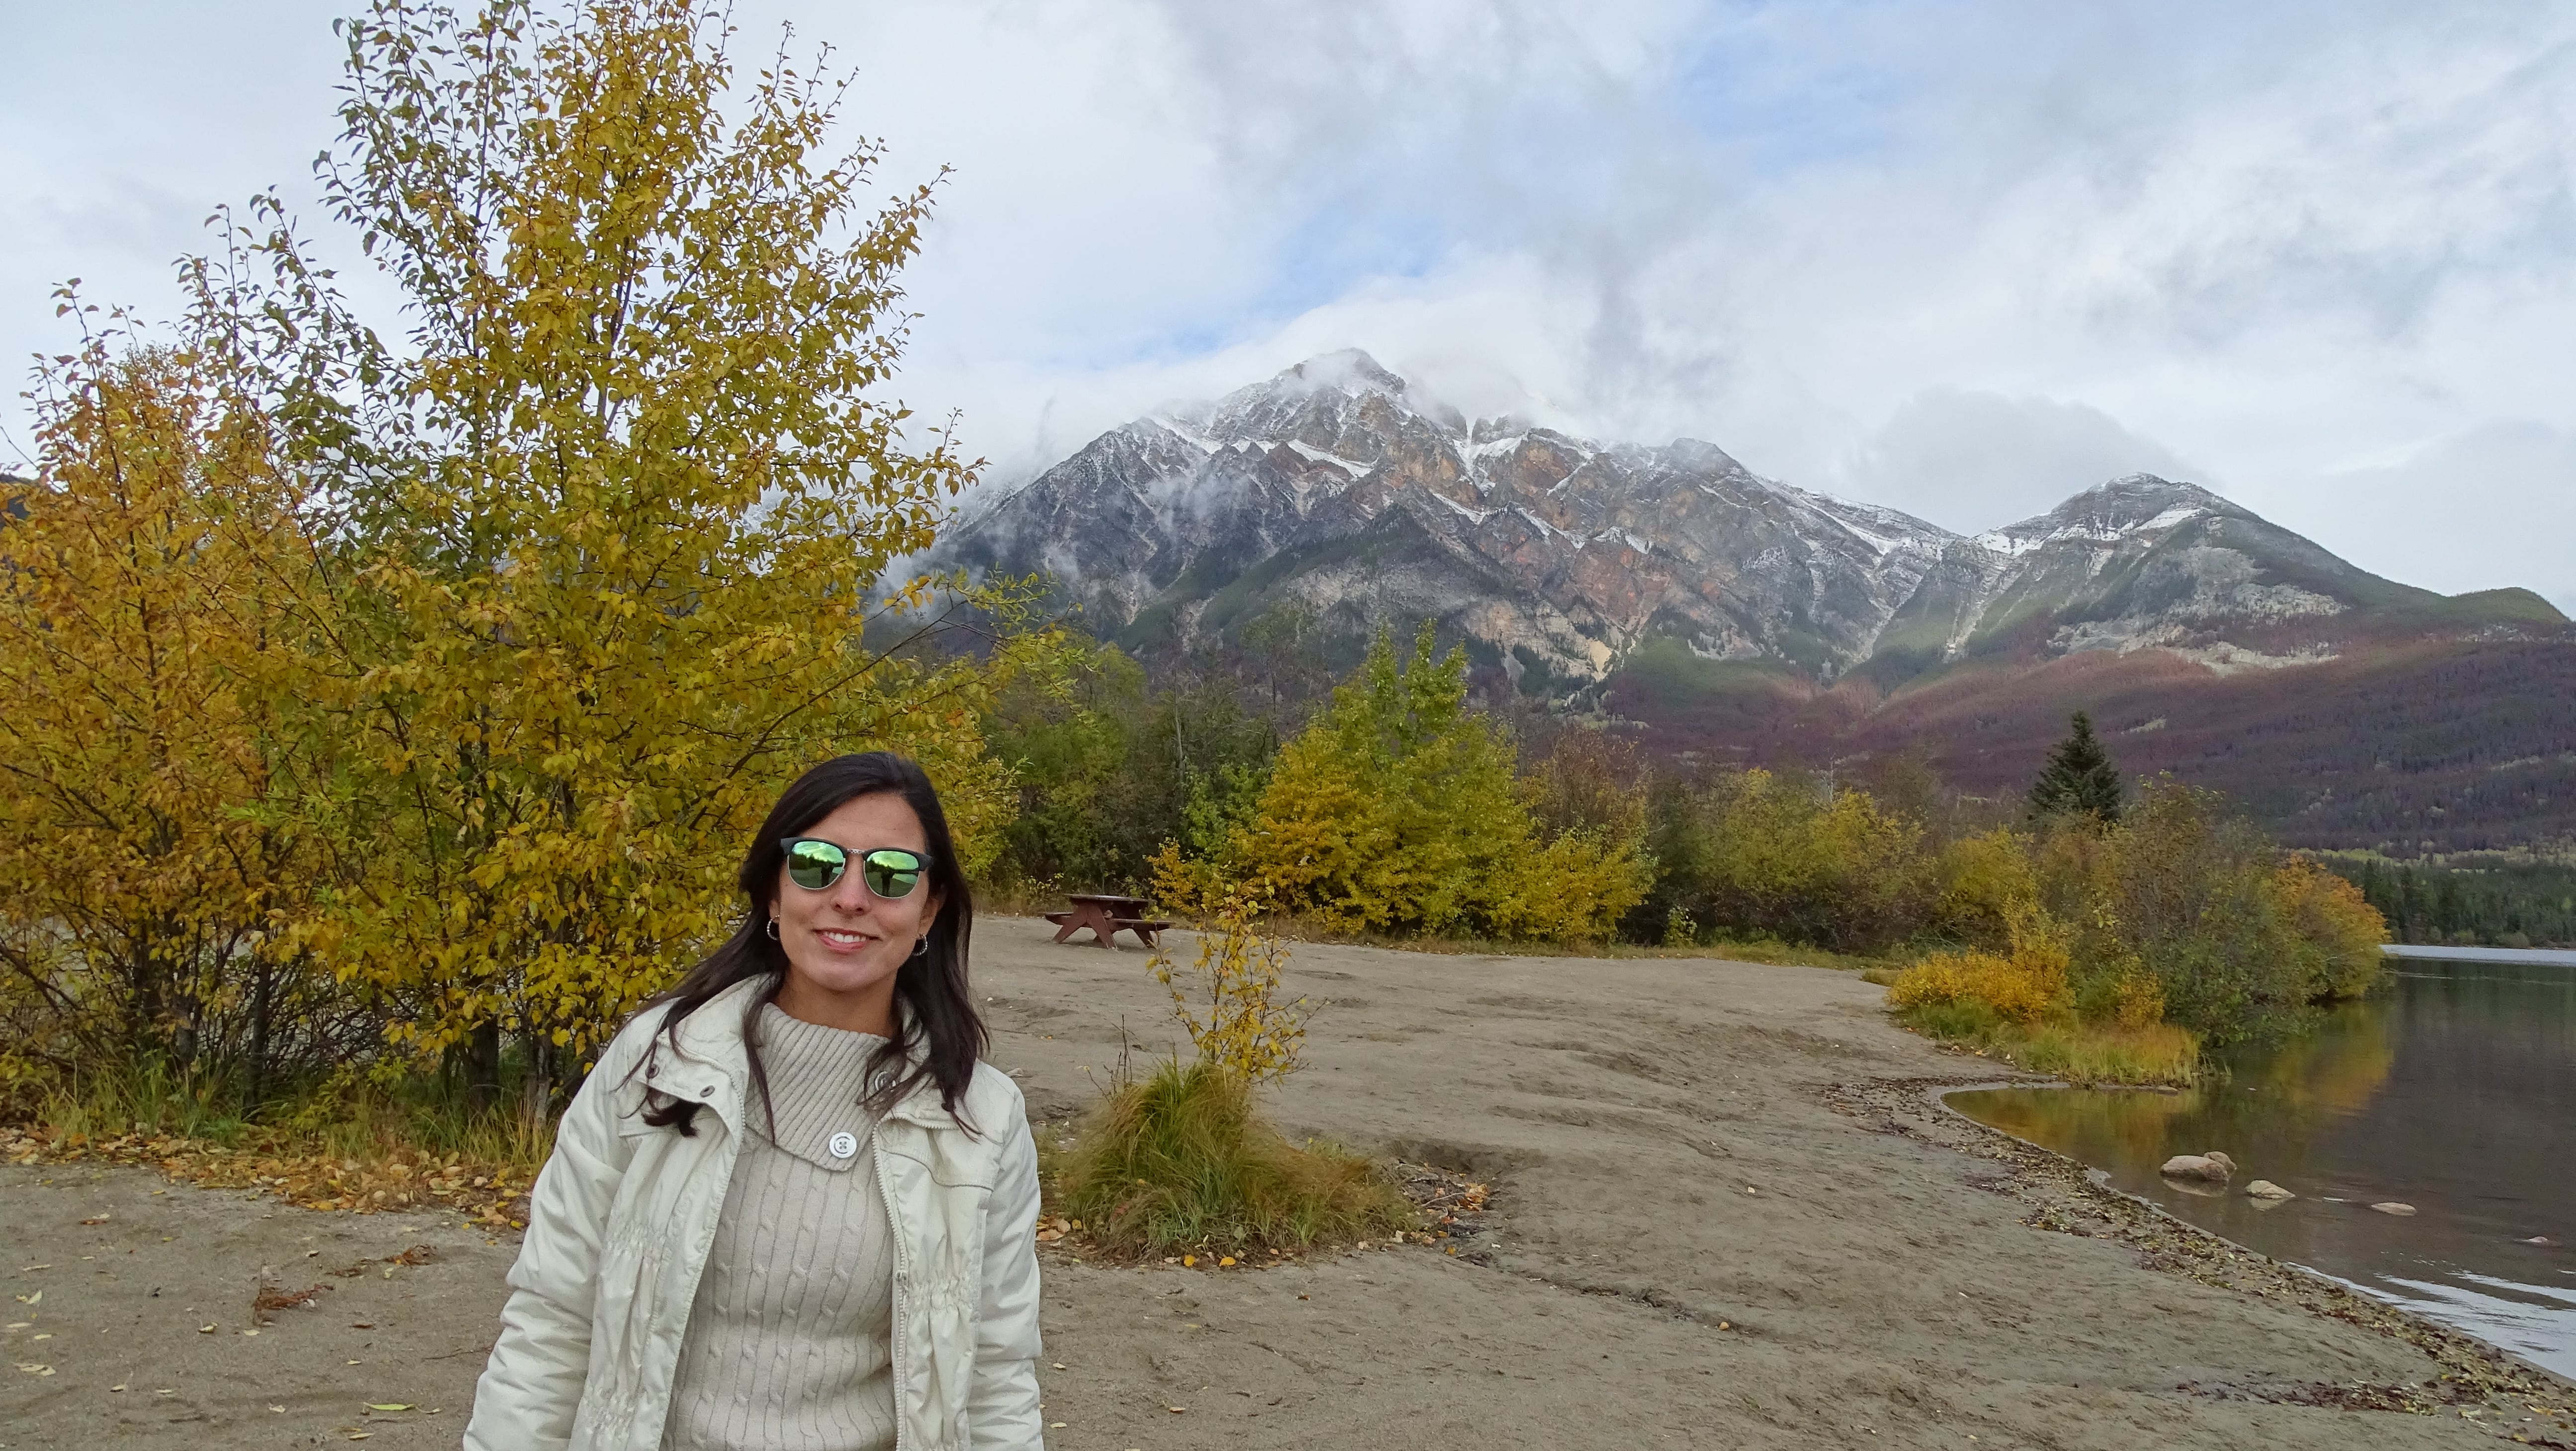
(1727, 1211)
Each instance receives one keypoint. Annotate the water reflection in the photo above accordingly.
(2455, 1093)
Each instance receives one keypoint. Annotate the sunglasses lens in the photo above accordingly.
(892, 873)
(815, 865)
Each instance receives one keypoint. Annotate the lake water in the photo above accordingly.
(2454, 1092)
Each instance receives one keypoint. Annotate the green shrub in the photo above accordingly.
(1755, 852)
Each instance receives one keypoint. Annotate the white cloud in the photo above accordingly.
(2515, 477)
(1855, 242)
(1973, 461)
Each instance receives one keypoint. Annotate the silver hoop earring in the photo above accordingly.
(773, 929)
(921, 945)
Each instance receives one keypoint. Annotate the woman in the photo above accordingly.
(790, 1209)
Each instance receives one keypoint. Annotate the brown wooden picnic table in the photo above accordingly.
(1106, 914)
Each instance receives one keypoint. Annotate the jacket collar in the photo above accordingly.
(712, 1067)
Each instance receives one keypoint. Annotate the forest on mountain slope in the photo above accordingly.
(2412, 750)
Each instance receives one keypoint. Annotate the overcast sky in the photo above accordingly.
(1962, 257)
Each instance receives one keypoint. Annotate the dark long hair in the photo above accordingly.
(938, 1035)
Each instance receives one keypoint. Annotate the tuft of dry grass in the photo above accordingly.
(1180, 1161)
(2077, 1051)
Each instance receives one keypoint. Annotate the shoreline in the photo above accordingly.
(2419, 1328)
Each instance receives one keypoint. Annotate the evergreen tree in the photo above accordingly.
(2079, 778)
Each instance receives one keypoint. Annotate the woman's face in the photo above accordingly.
(844, 943)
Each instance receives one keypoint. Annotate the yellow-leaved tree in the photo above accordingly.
(143, 890)
(1397, 810)
(605, 527)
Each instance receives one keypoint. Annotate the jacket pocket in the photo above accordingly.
(952, 1160)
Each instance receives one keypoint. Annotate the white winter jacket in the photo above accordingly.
(623, 1215)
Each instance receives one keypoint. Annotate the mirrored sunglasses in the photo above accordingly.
(889, 871)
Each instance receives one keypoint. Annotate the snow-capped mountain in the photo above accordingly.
(1558, 557)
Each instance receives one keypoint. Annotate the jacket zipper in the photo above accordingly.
(902, 1284)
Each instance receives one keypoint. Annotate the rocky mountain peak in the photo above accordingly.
(1335, 488)
(2135, 501)
(1315, 401)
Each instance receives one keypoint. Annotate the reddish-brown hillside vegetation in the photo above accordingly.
(2425, 745)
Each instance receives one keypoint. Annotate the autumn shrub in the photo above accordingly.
(1229, 1001)
(1754, 852)
(2026, 983)
(153, 896)
(1982, 883)
(2237, 941)
(2064, 1044)
(1398, 810)
(2176, 925)
(1179, 1160)
(2337, 931)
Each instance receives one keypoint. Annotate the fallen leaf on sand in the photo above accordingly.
(205, 1330)
(270, 1300)
(31, 1299)
(102, 1219)
(389, 1406)
(362, 1324)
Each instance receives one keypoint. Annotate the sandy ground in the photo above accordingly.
(1728, 1213)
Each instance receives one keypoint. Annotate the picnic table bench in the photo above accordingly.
(1107, 915)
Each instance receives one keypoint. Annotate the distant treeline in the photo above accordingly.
(2493, 903)
(1393, 805)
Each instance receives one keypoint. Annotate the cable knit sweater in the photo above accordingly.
(790, 1343)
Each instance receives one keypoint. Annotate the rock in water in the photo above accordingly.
(2216, 1156)
(2391, 1206)
(2266, 1189)
(2198, 1166)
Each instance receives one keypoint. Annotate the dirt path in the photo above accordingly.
(1727, 1215)
(147, 1326)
